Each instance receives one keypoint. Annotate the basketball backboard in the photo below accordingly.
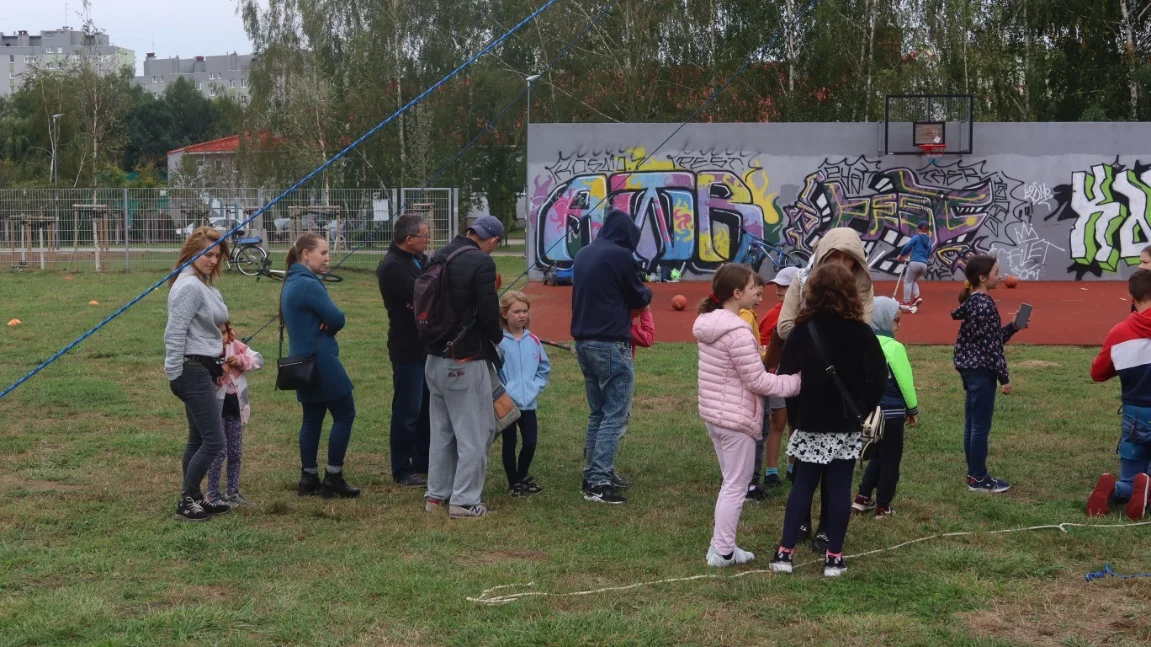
(912, 121)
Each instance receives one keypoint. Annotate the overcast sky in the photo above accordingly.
(185, 28)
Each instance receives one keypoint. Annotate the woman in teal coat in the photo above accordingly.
(313, 320)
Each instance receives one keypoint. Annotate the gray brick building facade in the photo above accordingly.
(214, 76)
(55, 49)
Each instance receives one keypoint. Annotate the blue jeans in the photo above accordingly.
(343, 413)
(410, 429)
(980, 407)
(1134, 449)
(609, 380)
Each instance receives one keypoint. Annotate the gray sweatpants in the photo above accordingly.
(911, 278)
(463, 426)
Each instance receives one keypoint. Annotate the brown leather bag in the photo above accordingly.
(774, 351)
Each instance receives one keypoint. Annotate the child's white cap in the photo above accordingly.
(785, 276)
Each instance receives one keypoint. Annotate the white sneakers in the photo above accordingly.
(739, 556)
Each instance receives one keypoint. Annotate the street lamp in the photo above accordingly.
(53, 133)
(530, 79)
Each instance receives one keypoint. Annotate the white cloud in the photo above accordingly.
(178, 28)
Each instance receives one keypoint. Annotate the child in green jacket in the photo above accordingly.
(900, 406)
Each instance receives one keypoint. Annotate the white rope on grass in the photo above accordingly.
(486, 597)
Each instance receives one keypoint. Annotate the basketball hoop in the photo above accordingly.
(933, 152)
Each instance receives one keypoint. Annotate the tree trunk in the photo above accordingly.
(1128, 32)
(399, 72)
(789, 16)
(870, 59)
(1026, 61)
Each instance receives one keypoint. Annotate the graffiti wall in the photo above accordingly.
(1051, 201)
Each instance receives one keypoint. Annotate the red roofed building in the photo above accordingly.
(214, 162)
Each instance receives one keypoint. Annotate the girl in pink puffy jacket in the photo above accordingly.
(732, 381)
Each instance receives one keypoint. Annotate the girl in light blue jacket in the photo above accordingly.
(524, 376)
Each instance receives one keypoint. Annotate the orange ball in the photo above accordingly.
(1011, 282)
(678, 302)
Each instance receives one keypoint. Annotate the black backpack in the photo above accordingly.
(435, 318)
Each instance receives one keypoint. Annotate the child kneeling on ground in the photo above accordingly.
(732, 381)
(1125, 354)
(900, 407)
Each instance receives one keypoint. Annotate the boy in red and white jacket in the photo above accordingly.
(1127, 353)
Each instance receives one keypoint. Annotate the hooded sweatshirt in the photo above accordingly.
(982, 335)
(606, 283)
(1127, 353)
(900, 399)
(731, 376)
(918, 249)
(526, 369)
(842, 239)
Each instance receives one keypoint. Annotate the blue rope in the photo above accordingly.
(714, 95)
(491, 124)
(295, 186)
(1107, 572)
(563, 54)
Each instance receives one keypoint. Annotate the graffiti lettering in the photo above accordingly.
(1038, 193)
(962, 204)
(1109, 206)
(687, 220)
(1026, 254)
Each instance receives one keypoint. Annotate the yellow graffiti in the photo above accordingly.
(715, 247)
(634, 161)
(759, 182)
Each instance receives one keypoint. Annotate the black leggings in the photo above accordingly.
(836, 507)
(529, 430)
(883, 469)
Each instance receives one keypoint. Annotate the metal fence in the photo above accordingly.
(143, 229)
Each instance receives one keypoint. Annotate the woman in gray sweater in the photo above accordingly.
(193, 348)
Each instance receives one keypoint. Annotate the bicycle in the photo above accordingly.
(265, 271)
(759, 251)
(248, 254)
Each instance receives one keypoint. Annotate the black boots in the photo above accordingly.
(309, 484)
(334, 485)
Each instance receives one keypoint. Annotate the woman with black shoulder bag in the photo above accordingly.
(844, 375)
(313, 320)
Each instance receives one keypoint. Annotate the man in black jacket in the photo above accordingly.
(460, 371)
(607, 290)
(396, 275)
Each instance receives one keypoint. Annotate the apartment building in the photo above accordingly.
(215, 76)
(55, 49)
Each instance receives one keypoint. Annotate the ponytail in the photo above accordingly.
(728, 278)
(977, 267)
(306, 242)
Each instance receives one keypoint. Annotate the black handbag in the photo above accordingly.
(870, 425)
(293, 373)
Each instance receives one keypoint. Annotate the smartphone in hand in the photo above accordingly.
(1023, 317)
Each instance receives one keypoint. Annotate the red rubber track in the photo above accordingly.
(1065, 313)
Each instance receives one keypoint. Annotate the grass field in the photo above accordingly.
(89, 472)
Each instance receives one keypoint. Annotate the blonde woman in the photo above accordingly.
(193, 347)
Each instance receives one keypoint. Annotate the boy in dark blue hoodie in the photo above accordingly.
(607, 288)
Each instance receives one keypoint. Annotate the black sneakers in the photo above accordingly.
(530, 485)
(833, 566)
(193, 509)
(819, 542)
(412, 480)
(783, 561)
(617, 481)
(334, 485)
(189, 509)
(755, 493)
(604, 494)
(309, 484)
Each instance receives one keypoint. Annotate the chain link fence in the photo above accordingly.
(143, 229)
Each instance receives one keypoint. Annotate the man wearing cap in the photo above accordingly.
(776, 410)
(919, 249)
(458, 374)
